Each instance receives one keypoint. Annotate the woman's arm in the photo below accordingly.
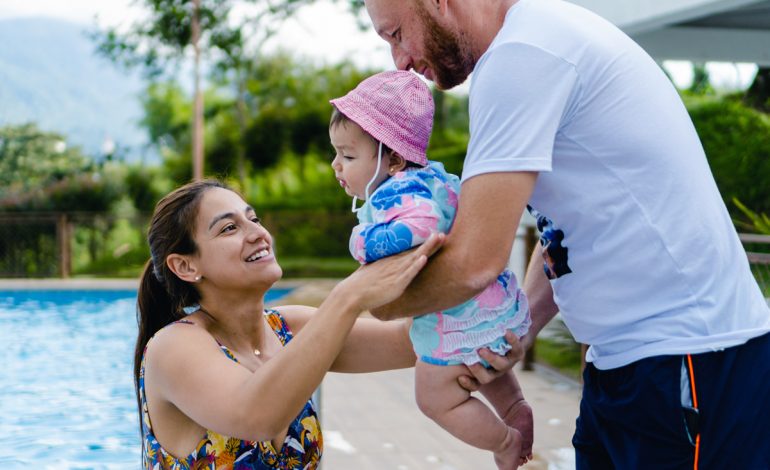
(371, 346)
(186, 369)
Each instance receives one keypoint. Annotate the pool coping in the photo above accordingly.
(113, 284)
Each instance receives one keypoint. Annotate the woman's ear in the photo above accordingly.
(396, 163)
(183, 267)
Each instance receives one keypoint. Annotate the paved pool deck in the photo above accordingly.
(371, 421)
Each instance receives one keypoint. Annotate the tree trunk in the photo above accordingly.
(197, 130)
(241, 112)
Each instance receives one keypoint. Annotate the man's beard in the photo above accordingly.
(450, 62)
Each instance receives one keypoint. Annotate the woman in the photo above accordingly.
(223, 387)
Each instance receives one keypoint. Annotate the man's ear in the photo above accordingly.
(184, 268)
(396, 163)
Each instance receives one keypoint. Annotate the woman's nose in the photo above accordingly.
(257, 231)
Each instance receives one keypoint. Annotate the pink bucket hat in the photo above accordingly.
(396, 108)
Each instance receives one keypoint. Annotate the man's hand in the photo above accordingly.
(480, 375)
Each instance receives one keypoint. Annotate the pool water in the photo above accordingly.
(66, 382)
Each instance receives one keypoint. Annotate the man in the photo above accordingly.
(573, 120)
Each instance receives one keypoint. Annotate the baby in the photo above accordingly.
(380, 132)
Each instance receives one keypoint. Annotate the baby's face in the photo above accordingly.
(355, 159)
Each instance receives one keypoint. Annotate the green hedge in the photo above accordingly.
(737, 144)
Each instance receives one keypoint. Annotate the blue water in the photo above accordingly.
(66, 382)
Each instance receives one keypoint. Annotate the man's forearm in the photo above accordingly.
(440, 285)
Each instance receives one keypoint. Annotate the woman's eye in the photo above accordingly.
(256, 220)
(228, 228)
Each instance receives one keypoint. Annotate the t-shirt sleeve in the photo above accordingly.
(406, 216)
(519, 98)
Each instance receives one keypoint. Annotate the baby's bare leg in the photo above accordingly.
(505, 395)
(442, 399)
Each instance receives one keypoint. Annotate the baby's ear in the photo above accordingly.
(396, 163)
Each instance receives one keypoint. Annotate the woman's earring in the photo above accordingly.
(197, 278)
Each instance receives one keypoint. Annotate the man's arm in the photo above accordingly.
(476, 250)
(537, 287)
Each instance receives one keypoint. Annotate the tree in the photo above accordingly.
(31, 158)
(39, 171)
(210, 29)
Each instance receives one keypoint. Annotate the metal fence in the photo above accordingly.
(42, 245)
(62, 244)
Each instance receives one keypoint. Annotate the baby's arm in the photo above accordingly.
(404, 214)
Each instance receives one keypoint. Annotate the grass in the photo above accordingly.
(560, 355)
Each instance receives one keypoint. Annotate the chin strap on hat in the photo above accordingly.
(353, 207)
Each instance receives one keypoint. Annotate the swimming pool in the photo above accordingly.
(66, 394)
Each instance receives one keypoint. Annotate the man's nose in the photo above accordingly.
(401, 59)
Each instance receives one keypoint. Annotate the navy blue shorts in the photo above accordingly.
(648, 415)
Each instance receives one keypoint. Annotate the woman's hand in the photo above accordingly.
(499, 364)
(378, 283)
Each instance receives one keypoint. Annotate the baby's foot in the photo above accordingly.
(519, 417)
(508, 456)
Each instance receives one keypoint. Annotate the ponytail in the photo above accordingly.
(162, 295)
(154, 310)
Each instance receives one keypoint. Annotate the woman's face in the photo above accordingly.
(234, 249)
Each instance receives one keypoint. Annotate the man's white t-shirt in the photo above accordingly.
(642, 255)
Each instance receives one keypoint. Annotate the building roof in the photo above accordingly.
(698, 30)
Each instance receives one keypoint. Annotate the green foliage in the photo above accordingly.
(110, 247)
(759, 223)
(31, 158)
(701, 81)
(39, 172)
(737, 143)
(565, 357)
(145, 186)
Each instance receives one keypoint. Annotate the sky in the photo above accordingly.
(323, 31)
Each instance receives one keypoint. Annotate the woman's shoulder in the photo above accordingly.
(179, 338)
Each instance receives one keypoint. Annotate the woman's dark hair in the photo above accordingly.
(162, 295)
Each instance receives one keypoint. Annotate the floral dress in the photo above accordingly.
(402, 213)
(301, 449)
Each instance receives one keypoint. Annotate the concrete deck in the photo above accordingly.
(371, 422)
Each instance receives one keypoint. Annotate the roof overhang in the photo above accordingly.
(698, 30)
